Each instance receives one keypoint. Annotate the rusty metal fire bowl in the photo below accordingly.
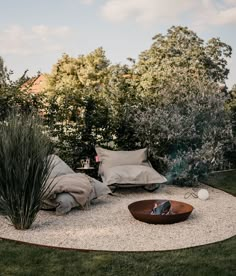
(141, 210)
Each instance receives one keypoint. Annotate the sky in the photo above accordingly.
(35, 34)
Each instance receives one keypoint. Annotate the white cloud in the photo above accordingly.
(233, 2)
(44, 31)
(38, 39)
(144, 11)
(202, 12)
(216, 13)
(223, 17)
(87, 2)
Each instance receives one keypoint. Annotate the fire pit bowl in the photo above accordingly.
(141, 210)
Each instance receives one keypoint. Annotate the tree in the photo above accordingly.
(77, 124)
(11, 95)
(183, 56)
(190, 137)
(232, 102)
(119, 93)
(3, 73)
(232, 106)
(76, 73)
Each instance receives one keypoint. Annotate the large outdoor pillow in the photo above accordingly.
(73, 190)
(132, 174)
(110, 158)
(59, 167)
(100, 189)
(65, 203)
(78, 185)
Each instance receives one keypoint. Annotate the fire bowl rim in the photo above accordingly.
(145, 216)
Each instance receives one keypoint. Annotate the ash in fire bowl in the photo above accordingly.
(160, 211)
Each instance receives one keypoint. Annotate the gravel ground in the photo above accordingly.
(108, 225)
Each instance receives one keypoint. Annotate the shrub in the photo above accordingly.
(24, 168)
(187, 137)
(11, 98)
(77, 123)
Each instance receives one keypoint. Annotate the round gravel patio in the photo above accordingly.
(108, 225)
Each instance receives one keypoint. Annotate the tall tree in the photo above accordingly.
(77, 73)
(177, 58)
(11, 95)
(232, 106)
(233, 96)
(3, 73)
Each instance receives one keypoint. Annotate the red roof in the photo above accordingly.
(33, 85)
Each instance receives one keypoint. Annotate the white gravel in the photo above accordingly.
(108, 225)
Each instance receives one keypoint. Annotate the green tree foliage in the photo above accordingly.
(189, 138)
(180, 55)
(231, 105)
(77, 124)
(177, 79)
(77, 109)
(76, 73)
(232, 101)
(24, 168)
(13, 97)
(120, 93)
(3, 73)
(175, 87)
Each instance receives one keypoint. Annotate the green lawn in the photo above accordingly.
(225, 181)
(214, 259)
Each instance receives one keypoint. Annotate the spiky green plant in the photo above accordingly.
(24, 168)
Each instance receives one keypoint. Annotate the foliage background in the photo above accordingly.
(173, 99)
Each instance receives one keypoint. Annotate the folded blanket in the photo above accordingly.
(77, 185)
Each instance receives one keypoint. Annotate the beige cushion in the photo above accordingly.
(110, 158)
(65, 203)
(132, 174)
(77, 184)
(67, 179)
(100, 189)
(59, 167)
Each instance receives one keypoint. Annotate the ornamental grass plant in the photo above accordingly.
(24, 168)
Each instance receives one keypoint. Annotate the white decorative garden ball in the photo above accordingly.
(203, 194)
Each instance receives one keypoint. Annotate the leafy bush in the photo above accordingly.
(169, 100)
(120, 93)
(24, 168)
(187, 137)
(12, 97)
(77, 124)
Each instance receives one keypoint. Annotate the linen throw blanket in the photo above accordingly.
(76, 184)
